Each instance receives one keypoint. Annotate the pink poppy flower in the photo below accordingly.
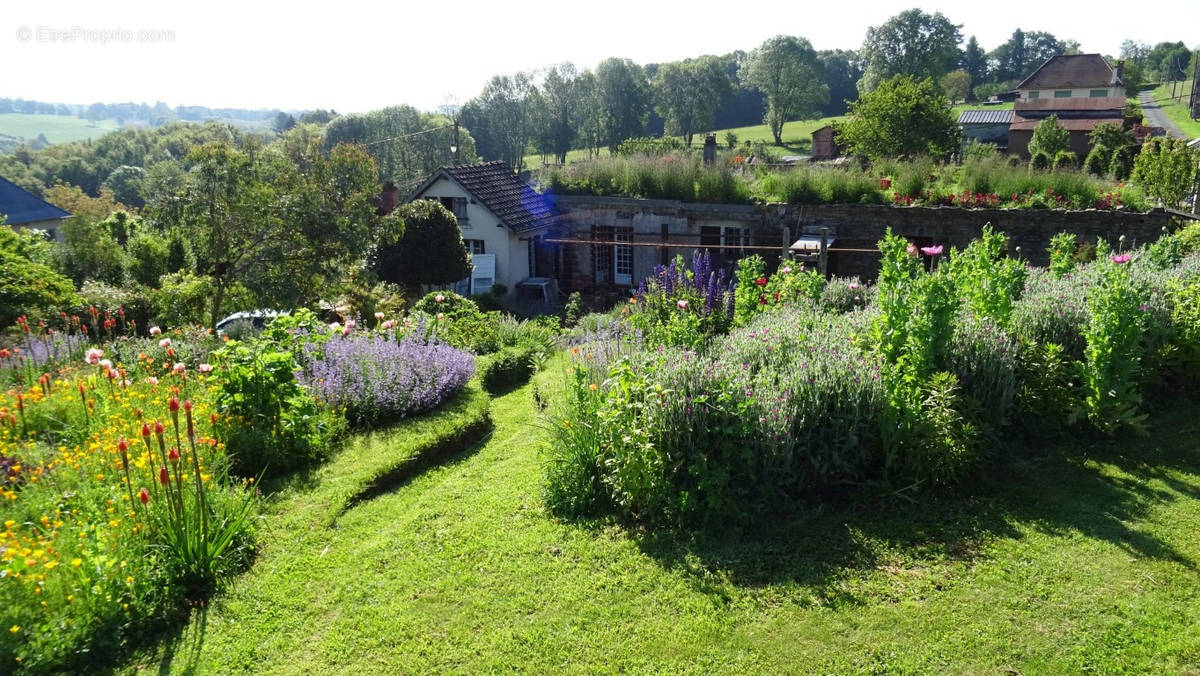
(439, 298)
(178, 367)
(379, 315)
(154, 330)
(205, 368)
(682, 304)
(93, 355)
(165, 342)
(933, 250)
(1120, 259)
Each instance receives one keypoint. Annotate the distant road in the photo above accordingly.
(1157, 117)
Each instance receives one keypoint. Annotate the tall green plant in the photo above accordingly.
(1113, 352)
(986, 278)
(1062, 254)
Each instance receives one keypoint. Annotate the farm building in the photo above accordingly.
(824, 147)
(985, 126)
(1082, 90)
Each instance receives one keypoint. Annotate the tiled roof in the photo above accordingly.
(1074, 71)
(21, 206)
(988, 116)
(1073, 103)
(1085, 124)
(514, 202)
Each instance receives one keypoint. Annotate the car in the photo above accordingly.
(254, 318)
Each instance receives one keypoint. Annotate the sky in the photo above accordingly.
(355, 56)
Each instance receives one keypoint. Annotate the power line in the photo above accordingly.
(404, 136)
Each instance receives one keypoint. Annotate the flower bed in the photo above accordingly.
(675, 421)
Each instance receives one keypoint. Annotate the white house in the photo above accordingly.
(502, 220)
(22, 209)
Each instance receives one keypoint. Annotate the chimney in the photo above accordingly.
(389, 199)
(1117, 74)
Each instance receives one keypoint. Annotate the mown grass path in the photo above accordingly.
(1067, 562)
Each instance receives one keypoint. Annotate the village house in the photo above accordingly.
(1083, 90)
(503, 222)
(23, 209)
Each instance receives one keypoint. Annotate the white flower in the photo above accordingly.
(379, 315)
(439, 298)
(165, 342)
(154, 330)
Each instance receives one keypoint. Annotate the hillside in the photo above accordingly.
(18, 127)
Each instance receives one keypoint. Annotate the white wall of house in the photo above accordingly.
(1085, 93)
(52, 227)
(511, 251)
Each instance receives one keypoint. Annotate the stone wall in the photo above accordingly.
(854, 230)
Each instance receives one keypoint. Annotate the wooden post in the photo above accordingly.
(823, 260)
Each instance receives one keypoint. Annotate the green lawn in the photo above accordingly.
(57, 128)
(1071, 560)
(1177, 108)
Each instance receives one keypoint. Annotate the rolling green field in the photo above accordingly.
(1076, 559)
(797, 135)
(1176, 108)
(57, 128)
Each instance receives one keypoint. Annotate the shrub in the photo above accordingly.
(984, 359)
(377, 379)
(1120, 167)
(775, 409)
(457, 321)
(1053, 310)
(269, 421)
(682, 306)
(27, 287)
(1039, 161)
(510, 366)
(1065, 160)
(845, 294)
(1098, 160)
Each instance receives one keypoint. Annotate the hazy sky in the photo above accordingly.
(352, 55)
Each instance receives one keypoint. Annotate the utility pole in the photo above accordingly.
(454, 148)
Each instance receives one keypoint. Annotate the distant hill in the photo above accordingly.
(36, 123)
(18, 128)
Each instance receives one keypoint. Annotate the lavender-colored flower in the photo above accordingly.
(376, 377)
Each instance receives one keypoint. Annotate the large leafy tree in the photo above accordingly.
(503, 118)
(974, 61)
(407, 144)
(622, 100)
(843, 69)
(420, 244)
(911, 43)
(688, 93)
(564, 96)
(902, 117)
(281, 222)
(1024, 51)
(788, 72)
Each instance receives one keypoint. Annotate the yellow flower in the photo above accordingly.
(77, 563)
(14, 629)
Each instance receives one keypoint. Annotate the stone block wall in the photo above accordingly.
(854, 230)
